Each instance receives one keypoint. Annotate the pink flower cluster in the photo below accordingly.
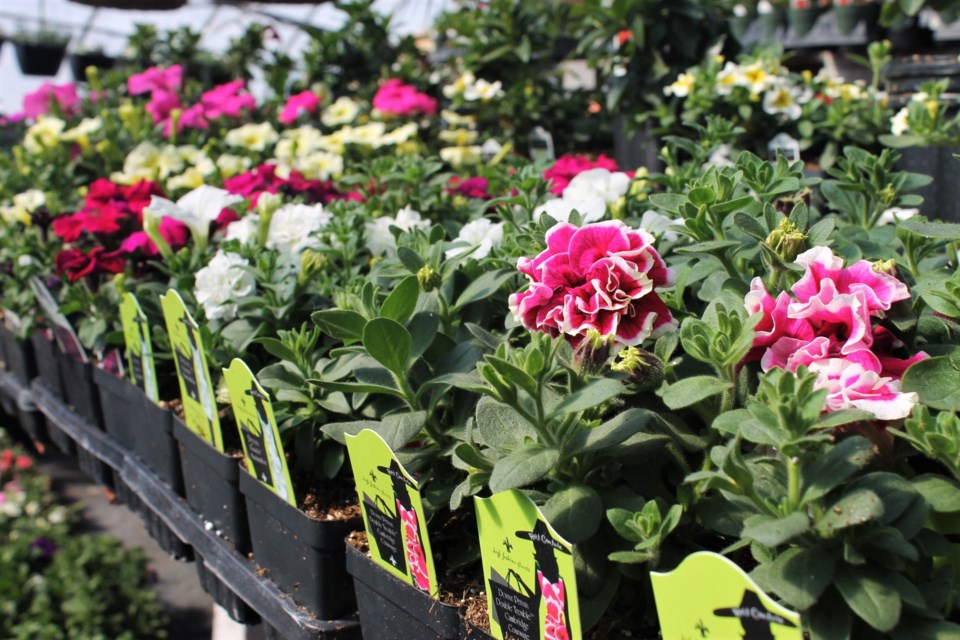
(226, 100)
(298, 104)
(41, 101)
(601, 276)
(568, 166)
(264, 179)
(398, 99)
(827, 326)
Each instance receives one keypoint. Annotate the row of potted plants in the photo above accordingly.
(712, 357)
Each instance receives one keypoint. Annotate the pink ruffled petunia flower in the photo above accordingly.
(569, 166)
(229, 100)
(299, 104)
(827, 326)
(399, 99)
(39, 102)
(850, 385)
(167, 79)
(600, 277)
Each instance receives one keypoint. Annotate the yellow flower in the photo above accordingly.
(45, 134)
(254, 137)
(460, 155)
(231, 165)
(320, 166)
(459, 137)
(343, 111)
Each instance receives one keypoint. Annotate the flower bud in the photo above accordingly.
(888, 267)
(593, 352)
(787, 241)
(429, 278)
(643, 367)
(310, 263)
(267, 205)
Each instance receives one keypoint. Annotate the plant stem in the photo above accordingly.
(793, 484)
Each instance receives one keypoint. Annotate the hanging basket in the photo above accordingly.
(37, 59)
(135, 5)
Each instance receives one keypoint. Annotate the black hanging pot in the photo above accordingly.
(40, 59)
(80, 62)
(739, 25)
(45, 350)
(848, 16)
(135, 5)
(771, 22)
(156, 446)
(18, 355)
(802, 20)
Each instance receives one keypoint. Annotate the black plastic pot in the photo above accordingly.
(80, 390)
(470, 632)
(45, 352)
(739, 25)
(221, 594)
(37, 59)
(210, 481)
(165, 538)
(771, 22)
(80, 61)
(156, 446)
(121, 406)
(303, 556)
(18, 355)
(391, 608)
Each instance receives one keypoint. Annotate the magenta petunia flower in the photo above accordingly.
(399, 99)
(39, 102)
(156, 79)
(600, 277)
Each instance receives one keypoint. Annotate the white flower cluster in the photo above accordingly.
(221, 283)
(380, 240)
(589, 193)
(472, 89)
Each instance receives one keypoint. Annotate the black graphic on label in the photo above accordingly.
(257, 451)
(516, 611)
(188, 374)
(754, 616)
(385, 529)
(136, 366)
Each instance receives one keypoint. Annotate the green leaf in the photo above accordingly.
(575, 512)
(855, 508)
(869, 595)
(483, 287)
(356, 387)
(468, 454)
(829, 619)
(277, 349)
(341, 324)
(842, 417)
(798, 575)
(500, 426)
(936, 381)
(610, 433)
(337, 430)
(400, 428)
(838, 464)
(592, 395)
(688, 391)
(933, 229)
(669, 202)
(940, 492)
(401, 302)
(513, 375)
(410, 259)
(523, 467)
(819, 234)
(773, 532)
(730, 422)
(389, 343)
(423, 330)
(711, 247)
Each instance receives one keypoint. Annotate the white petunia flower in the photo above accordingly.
(197, 209)
(659, 225)
(896, 214)
(221, 283)
(477, 237)
(245, 229)
(610, 186)
(782, 99)
(681, 86)
(900, 123)
(293, 226)
(591, 209)
(380, 240)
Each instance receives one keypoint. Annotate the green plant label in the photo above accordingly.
(63, 331)
(262, 448)
(136, 335)
(392, 512)
(708, 596)
(528, 571)
(196, 386)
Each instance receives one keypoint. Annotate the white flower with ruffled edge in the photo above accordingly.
(255, 137)
(477, 238)
(221, 283)
(380, 239)
(607, 185)
(293, 226)
(244, 230)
